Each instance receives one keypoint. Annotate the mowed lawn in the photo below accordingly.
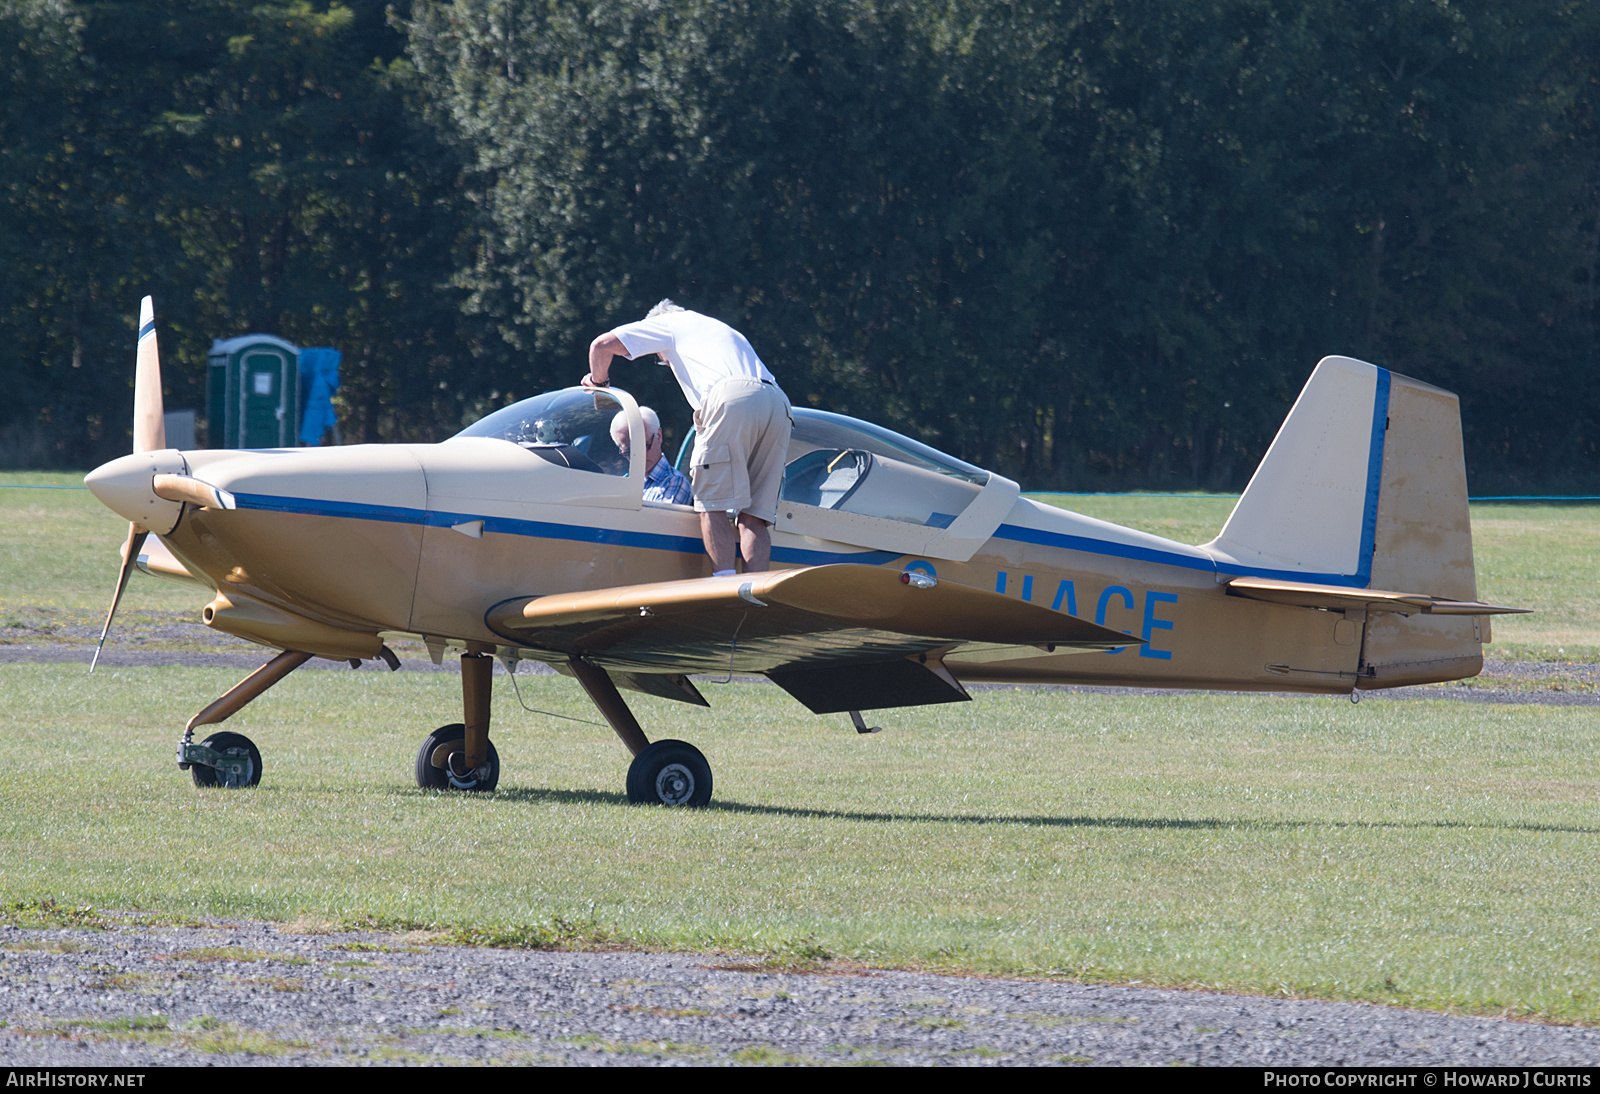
(1432, 853)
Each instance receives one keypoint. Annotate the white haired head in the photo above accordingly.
(652, 425)
(662, 308)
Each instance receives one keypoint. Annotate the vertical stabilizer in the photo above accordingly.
(1311, 507)
(1365, 486)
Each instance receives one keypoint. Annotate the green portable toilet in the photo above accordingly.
(253, 392)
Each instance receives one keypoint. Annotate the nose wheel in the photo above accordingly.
(225, 759)
(441, 762)
(670, 773)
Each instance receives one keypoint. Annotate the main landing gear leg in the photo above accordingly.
(664, 773)
(461, 756)
(476, 678)
(605, 695)
(231, 759)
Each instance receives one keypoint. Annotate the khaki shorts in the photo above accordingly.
(740, 447)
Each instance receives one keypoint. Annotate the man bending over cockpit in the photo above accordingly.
(742, 424)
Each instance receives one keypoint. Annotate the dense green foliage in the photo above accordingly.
(254, 168)
(1086, 243)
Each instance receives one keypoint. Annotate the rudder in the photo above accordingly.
(1423, 542)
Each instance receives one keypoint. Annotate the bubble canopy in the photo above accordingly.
(820, 429)
(571, 426)
(834, 462)
(575, 417)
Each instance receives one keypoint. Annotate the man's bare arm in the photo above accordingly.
(601, 351)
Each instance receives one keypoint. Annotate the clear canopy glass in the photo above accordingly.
(820, 429)
(570, 426)
(834, 462)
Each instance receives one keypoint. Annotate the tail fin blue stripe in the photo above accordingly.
(1369, 514)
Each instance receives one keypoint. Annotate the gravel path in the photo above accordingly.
(230, 992)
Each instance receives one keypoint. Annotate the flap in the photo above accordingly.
(840, 614)
(1340, 598)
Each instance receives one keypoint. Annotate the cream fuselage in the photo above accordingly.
(424, 539)
(1363, 489)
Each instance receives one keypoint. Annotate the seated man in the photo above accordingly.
(662, 481)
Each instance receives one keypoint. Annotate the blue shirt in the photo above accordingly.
(666, 483)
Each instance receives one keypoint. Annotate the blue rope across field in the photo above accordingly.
(1234, 497)
(1029, 494)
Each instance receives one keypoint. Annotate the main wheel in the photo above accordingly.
(433, 762)
(233, 746)
(670, 773)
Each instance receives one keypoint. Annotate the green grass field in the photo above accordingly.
(1430, 853)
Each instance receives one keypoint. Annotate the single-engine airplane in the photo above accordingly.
(904, 574)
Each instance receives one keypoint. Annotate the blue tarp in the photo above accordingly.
(319, 379)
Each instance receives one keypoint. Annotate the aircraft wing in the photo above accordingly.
(839, 637)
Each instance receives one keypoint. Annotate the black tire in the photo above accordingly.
(439, 778)
(228, 742)
(670, 773)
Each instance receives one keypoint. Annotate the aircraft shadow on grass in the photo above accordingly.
(524, 795)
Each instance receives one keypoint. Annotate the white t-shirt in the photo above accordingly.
(700, 350)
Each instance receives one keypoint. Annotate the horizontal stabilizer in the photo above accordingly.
(1340, 598)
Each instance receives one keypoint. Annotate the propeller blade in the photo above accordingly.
(130, 555)
(149, 422)
(149, 435)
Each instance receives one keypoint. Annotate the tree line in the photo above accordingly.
(1089, 244)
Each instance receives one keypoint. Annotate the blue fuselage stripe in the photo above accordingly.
(687, 545)
(1019, 534)
(314, 507)
(615, 537)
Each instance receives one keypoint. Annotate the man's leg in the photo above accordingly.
(755, 540)
(719, 540)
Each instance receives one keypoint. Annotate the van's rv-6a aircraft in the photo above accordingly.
(905, 574)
